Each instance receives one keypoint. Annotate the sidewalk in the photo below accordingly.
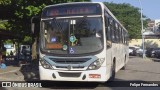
(27, 72)
(146, 58)
(11, 73)
(151, 59)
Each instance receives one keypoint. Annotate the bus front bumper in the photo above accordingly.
(99, 75)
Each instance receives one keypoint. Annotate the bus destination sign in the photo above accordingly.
(71, 10)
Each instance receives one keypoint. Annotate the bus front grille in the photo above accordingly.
(65, 74)
(73, 67)
(70, 60)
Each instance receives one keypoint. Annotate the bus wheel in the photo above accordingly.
(113, 71)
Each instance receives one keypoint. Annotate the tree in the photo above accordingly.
(19, 13)
(129, 16)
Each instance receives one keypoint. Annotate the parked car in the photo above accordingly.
(139, 52)
(130, 51)
(151, 52)
(157, 53)
(133, 50)
(25, 55)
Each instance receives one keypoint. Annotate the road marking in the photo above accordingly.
(9, 71)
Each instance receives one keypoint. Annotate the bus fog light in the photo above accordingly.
(96, 64)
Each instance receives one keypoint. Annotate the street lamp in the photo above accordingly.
(142, 30)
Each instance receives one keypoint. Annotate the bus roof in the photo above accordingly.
(100, 3)
(72, 3)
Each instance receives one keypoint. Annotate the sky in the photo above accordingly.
(151, 8)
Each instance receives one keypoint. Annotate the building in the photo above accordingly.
(153, 26)
(148, 43)
(151, 36)
(150, 25)
(157, 26)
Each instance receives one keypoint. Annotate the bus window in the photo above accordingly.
(122, 36)
(108, 31)
(126, 38)
(120, 33)
(52, 35)
(113, 29)
(117, 33)
(124, 33)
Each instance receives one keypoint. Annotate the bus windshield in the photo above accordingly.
(72, 35)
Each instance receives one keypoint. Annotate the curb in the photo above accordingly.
(147, 59)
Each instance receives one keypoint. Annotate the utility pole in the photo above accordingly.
(142, 30)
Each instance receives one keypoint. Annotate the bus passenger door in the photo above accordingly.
(35, 28)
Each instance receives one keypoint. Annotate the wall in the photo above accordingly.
(148, 42)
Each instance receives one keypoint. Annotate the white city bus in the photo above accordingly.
(80, 42)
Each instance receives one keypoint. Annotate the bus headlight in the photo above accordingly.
(45, 64)
(96, 64)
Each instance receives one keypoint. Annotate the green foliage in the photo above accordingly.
(27, 40)
(32, 10)
(22, 12)
(129, 16)
(2, 25)
(5, 2)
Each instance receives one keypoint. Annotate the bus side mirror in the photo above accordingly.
(32, 27)
(35, 21)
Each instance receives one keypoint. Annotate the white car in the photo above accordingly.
(130, 51)
(140, 52)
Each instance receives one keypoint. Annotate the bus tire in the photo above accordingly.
(124, 67)
(113, 71)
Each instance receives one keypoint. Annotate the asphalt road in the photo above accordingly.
(145, 71)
